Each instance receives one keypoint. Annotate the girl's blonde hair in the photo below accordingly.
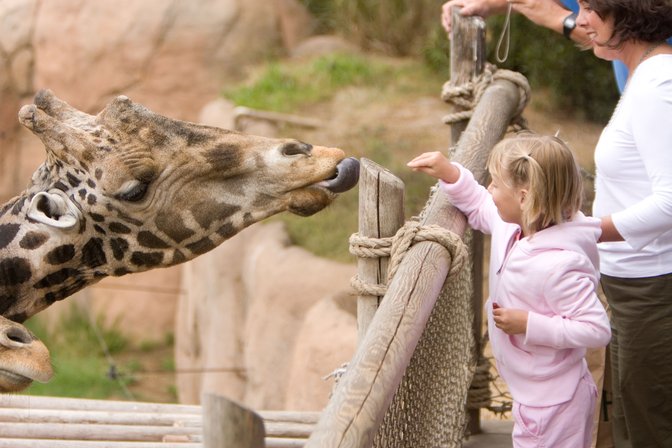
(547, 169)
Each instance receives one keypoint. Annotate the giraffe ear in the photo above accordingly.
(53, 209)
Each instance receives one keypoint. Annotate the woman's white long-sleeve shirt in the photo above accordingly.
(633, 184)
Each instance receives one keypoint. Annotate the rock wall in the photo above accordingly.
(175, 56)
(262, 321)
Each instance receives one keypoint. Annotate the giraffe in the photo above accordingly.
(23, 358)
(129, 190)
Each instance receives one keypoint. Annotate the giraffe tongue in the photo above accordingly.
(347, 175)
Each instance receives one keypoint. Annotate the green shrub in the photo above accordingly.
(397, 27)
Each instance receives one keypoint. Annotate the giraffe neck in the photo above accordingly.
(40, 265)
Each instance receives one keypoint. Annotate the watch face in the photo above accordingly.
(568, 25)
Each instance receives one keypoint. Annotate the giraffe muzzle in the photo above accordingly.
(347, 176)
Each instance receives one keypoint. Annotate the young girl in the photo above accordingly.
(543, 311)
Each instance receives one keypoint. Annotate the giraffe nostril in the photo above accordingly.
(18, 335)
(296, 148)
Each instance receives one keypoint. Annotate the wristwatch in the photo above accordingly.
(568, 25)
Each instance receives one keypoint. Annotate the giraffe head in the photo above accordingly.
(129, 190)
(23, 358)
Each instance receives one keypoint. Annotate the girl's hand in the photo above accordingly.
(436, 165)
(510, 321)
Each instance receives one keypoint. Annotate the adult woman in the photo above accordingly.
(634, 199)
(556, 15)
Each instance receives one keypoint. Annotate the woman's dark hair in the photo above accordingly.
(636, 20)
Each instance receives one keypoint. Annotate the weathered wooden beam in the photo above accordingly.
(229, 425)
(381, 214)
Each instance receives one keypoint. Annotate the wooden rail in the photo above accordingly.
(53, 422)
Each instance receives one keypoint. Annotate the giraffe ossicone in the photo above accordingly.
(128, 190)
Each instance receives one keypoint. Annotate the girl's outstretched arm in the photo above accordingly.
(436, 165)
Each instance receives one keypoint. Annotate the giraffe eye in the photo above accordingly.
(134, 192)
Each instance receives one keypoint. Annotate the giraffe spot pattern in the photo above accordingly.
(65, 292)
(60, 254)
(147, 259)
(224, 157)
(119, 247)
(227, 230)
(93, 254)
(8, 233)
(121, 271)
(33, 240)
(97, 217)
(72, 180)
(56, 278)
(151, 241)
(6, 301)
(14, 271)
(178, 257)
(207, 213)
(18, 206)
(118, 227)
(201, 246)
(173, 227)
(61, 186)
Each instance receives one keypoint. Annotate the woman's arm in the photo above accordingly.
(609, 230)
(547, 13)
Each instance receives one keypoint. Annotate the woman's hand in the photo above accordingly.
(483, 8)
(436, 165)
(510, 321)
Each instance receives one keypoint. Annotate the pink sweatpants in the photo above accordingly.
(567, 425)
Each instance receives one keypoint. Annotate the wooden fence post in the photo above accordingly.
(381, 214)
(229, 425)
(467, 61)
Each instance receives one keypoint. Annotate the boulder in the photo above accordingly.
(274, 306)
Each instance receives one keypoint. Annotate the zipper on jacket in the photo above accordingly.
(509, 248)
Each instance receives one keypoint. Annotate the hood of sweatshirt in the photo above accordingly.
(578, 235)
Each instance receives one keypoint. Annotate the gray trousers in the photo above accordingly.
(641, 360)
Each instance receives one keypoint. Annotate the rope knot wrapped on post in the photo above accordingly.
(467, 96)
(397, 246)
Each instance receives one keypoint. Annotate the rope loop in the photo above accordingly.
(396, 248)
(468, 95)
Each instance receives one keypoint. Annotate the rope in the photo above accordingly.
(396, 248)
(468, 95)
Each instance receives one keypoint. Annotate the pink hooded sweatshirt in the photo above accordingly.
(554, 275)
